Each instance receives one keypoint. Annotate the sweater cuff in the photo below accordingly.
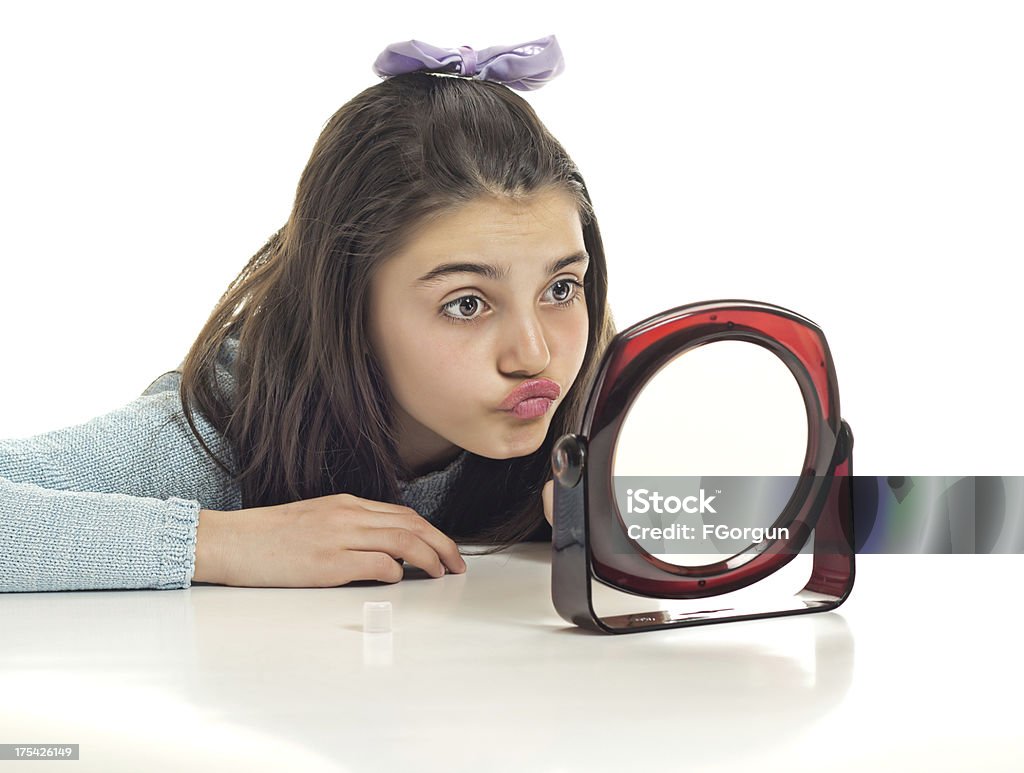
(178, 543)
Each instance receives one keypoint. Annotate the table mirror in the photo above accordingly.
(710, 478)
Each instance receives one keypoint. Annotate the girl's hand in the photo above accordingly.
(548, 495)
(319, 543)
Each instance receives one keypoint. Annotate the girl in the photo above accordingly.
(383, 380)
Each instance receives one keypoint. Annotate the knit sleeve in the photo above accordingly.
(110, 503)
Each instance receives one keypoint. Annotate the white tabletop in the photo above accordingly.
(920, 669)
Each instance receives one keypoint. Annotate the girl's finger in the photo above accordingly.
(363, 565)
(398, 543)
(439, 543)
(548, 495)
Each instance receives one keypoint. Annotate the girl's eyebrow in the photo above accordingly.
(435, 275)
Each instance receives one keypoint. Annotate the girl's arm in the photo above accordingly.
(110, 503)
(124, 500)
(52, 540)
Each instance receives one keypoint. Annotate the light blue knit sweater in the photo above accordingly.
(114, 502)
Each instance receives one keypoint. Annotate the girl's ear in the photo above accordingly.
(548, 495)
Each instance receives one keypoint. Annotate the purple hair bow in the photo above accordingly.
(524, 66)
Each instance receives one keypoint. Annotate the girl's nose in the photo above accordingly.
(525, 350)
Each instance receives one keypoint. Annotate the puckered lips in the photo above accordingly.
(528, 390)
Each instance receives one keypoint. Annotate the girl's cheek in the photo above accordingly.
(579, 327)
(568, 349)
(579, 336)
(441, 356)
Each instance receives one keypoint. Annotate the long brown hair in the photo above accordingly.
(311, 412)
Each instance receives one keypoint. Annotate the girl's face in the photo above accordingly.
(482, 300)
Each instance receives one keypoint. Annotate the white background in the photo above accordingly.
(859, 163)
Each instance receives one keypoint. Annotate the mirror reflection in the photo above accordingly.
(709, 453)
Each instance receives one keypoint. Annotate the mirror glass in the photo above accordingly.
(709, 454)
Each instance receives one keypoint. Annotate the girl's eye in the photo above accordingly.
(472, 303)
(467, 304)
(570, 291)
